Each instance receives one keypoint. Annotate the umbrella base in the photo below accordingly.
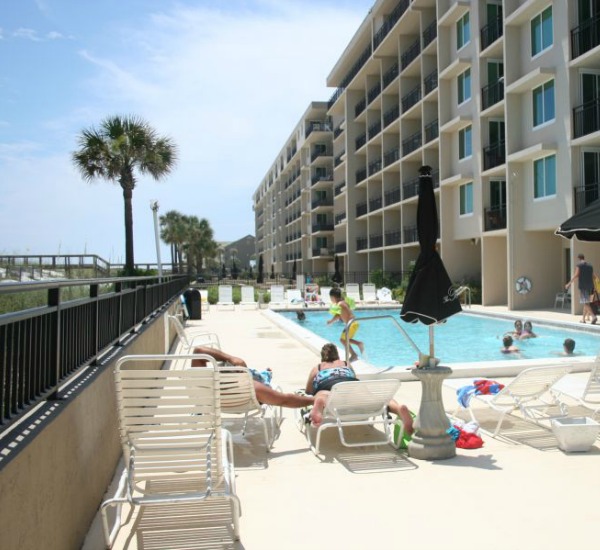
(430, 440)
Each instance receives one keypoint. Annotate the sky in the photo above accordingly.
(226, 80)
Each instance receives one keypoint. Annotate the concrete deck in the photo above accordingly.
(518, 491)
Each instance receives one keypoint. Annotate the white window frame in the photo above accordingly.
(539, 16)
(545, 196)
(461, 136)
(460, 87)
(464, 187)
(460, 30)
(550, 120)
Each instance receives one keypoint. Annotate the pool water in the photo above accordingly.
(462, 338)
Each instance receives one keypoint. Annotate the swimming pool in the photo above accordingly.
(464, 338)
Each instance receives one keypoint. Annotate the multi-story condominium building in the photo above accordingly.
(502, 99)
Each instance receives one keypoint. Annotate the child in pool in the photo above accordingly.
(527, 331)
(345, 315)
(507, 342)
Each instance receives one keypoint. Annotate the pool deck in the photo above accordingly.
(518, 491)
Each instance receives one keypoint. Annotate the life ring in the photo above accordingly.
(523, 285)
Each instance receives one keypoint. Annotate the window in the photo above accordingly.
(541, 32)
(464, 86)
(544, 177)
(466, 199)
(464, 143)
(543, 103)
(463, 31)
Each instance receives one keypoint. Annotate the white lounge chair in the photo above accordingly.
(529, 392)
(191, 338)
(563, 299)
(360, 403)
(277, 293)
(585, 392)
(174, 448)
(325, 298)
(352, 290)
(248, 301)
(225, 300)
(238, 397)
(204, 303)
(294, 297)
(369, 293)
(384, 295)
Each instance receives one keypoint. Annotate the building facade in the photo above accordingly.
(502, 99)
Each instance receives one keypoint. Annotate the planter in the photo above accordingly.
(575, 434)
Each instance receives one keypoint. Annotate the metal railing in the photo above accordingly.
(585, 37)
(492, 94)
(491, 32)
(43, 347)
(586, 118)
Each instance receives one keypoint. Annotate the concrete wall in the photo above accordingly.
(51, 490)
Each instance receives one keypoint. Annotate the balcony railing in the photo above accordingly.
(586, 118)
(585, 194)
(494, 155)
(316, 227)
(374, 92)
(432, 130)
(375, 203)
(391, 156)
(491, 32)
(361, 209)
(321, 252)
(495, 218)
(322, 177)
(322, 202)
(362, 243)
(360, 141)
(430, 33)
(374, 167)
(389, 23)
(412, 143)
(585, 37)
(393, 237)
(390, 115)
(338, 131)
(338, 188)
(410, 54)
(360, 106)
(410, 188)
(317, 127)
(339, 218)
(362, 59)
(492, 94)
(325, 152)
(430, 82)
(334, 97)
(376, 240)
(411, 98)
(338, 160)
(361, 175)
(340, 248)
(410, 234)
(390, 74)
(374, 129)
(393, 196)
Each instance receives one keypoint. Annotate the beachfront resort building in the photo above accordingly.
(501, 99)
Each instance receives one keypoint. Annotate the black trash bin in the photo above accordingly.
(193, 301)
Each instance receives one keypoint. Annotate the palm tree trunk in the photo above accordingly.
(127, 198)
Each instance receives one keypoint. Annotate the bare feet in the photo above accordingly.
(316, 417)
(361, 347)
(407, 419)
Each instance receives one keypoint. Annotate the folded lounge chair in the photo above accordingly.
(369, 292)
(529, 392)
(585, 392)
(352, 290)
(225, 300)
(294, 297)
(174, 448)
(360, 403)
(277, 293)
(248, 301)
(325, 298)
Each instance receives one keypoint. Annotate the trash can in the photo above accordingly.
(193, 302)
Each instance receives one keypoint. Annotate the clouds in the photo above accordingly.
(226, 81)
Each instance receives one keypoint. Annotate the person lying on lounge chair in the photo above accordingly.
(264, 393)
(331, 371)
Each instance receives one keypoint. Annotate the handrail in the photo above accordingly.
(461, 290)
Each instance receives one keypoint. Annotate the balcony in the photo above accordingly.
(585, 37)
(390, 74)
(586, 118)
(374, 167)
(389, 23)
(360, 107)
(362, 243)
(391, 156)
(410, 234)
(491, 32)
(494, 155)
(338, 188)
(317, 227)
(374, 129)
(429, 34)
(410, 188)
(392, 197)
(492, 94)
(334, 97)
(339, 218)
(374, 92)
(340, 248)
(317, 127)
(338, 131)
(393, 238)
(338, 160)
(585, 194)
(324, 152)
(321, 177)
(361, 209)
(376, 240)
(322, 202)
(432, 130)
(495, 218)
(430, 82)
(410, 54)
(390, 115)
(375, 203)
(411, 98)
(316, 252)
(361, 175)
(360, 141)
(412, 143)
(362, 59)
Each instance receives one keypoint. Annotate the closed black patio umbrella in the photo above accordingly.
(584, 225)
(429, 295)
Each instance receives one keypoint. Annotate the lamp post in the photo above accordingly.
(154, 208)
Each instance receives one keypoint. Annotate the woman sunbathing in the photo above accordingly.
(331, 371)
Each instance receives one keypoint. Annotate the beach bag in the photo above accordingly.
(399, 437)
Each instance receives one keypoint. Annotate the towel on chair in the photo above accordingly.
(479, 387)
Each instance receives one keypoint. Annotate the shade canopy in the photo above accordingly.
(429, 296)
(584, 225)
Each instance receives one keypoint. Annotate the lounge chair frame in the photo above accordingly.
(194, 338)
(585, 392)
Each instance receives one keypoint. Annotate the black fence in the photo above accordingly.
(43, 347)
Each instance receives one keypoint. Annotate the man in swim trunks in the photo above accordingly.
(584, 272)
(331, 371)
(345, 315)
(264, 393)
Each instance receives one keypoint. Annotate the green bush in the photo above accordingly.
(213, 295)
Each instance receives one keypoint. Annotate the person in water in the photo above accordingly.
(508, 347)
(344, 313)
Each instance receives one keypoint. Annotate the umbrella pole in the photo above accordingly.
(431, 343)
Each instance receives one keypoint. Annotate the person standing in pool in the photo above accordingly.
(507, 343)
(344, 314)
(584, 273)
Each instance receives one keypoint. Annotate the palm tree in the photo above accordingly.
(200, 242)
(121, 146)
(171, 228)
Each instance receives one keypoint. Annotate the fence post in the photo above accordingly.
(54, 301)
